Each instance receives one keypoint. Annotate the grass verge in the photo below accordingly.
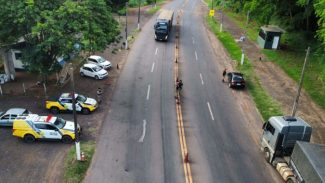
(291, 60)
(74, 171)
(264, 103)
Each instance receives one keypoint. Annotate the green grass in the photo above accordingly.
(153, 10)
(264, 103)
(291, 60)
(314, 78)
(74, 171)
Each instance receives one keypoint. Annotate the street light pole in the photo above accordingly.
(139, 2)
(77, 142)
(126, 25)
(295, 104)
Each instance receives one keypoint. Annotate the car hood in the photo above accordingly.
(102, 71)
(90, 101)
(69, 125)
(106, 63)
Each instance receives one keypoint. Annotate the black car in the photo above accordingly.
(235, 80)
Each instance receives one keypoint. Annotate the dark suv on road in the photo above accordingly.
(235, 80)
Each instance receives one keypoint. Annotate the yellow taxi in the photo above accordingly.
(33, 127)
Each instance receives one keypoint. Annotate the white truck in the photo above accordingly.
(285, 143)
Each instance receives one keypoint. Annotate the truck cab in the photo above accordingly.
(280, 134)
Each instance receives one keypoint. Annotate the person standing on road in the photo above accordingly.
(99, 95)
(224, 74)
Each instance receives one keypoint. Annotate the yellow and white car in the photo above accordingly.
(85, 105)
(33, 127)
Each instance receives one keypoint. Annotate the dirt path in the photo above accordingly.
(279, 85)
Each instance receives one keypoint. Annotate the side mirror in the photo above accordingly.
(264, 125)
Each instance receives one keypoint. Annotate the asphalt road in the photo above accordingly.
(220, 141)
(139, 140)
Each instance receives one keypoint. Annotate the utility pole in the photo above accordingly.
(139, 2)
(77, 142)
(295, 104)
(126, 25)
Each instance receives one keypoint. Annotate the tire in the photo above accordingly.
(85, 111)
(66, 139)
(28, 138)
(292, 180)
(267, 155)
(54, 110)
(82, 74)
(96, 77)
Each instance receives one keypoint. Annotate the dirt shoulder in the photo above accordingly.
(279, 85)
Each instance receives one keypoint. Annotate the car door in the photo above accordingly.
(49, 131)
(4, 120)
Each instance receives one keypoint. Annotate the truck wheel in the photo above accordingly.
(85, 111)
(96, 77)
(28, 138)
(54, 110)
(66, 139)
(82, 74)
(267, 155)
(291, 180)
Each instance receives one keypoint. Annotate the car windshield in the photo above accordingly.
(101, 59)
(162, 27)
(81, 98)
(238, 78)
(96, 69)
(59, 122)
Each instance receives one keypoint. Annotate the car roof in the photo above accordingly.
(94, 56)
(90, 65)
(68, 95)
(16, 111)
(236, 73)
(35, 118)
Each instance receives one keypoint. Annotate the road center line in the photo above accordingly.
(201, 79)
(210, 111)
(195, 55)
(156, 51)
(148, 92)
(153, 66)
(143, 131)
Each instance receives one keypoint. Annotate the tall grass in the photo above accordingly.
(264, 103)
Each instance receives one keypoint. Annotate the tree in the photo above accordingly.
(319, 6)
(53, 28)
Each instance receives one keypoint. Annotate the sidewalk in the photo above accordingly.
(278, 84)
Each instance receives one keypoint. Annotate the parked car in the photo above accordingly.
(93, 70)
(7, 118)
(235, 80)
(100, 61)
(84, 104)
(33, 126)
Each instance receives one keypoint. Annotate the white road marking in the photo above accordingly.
(153, 66)
(210, 111)
(143, 131)
(195, 55)
(156, 51)
(148, 92)
(201, 79)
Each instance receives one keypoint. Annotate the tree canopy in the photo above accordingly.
(293, 15)
(56, 28)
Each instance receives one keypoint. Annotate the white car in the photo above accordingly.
(93, 70)
(100, 61)
(7, 118)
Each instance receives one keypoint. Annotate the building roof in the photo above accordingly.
(272, 28)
